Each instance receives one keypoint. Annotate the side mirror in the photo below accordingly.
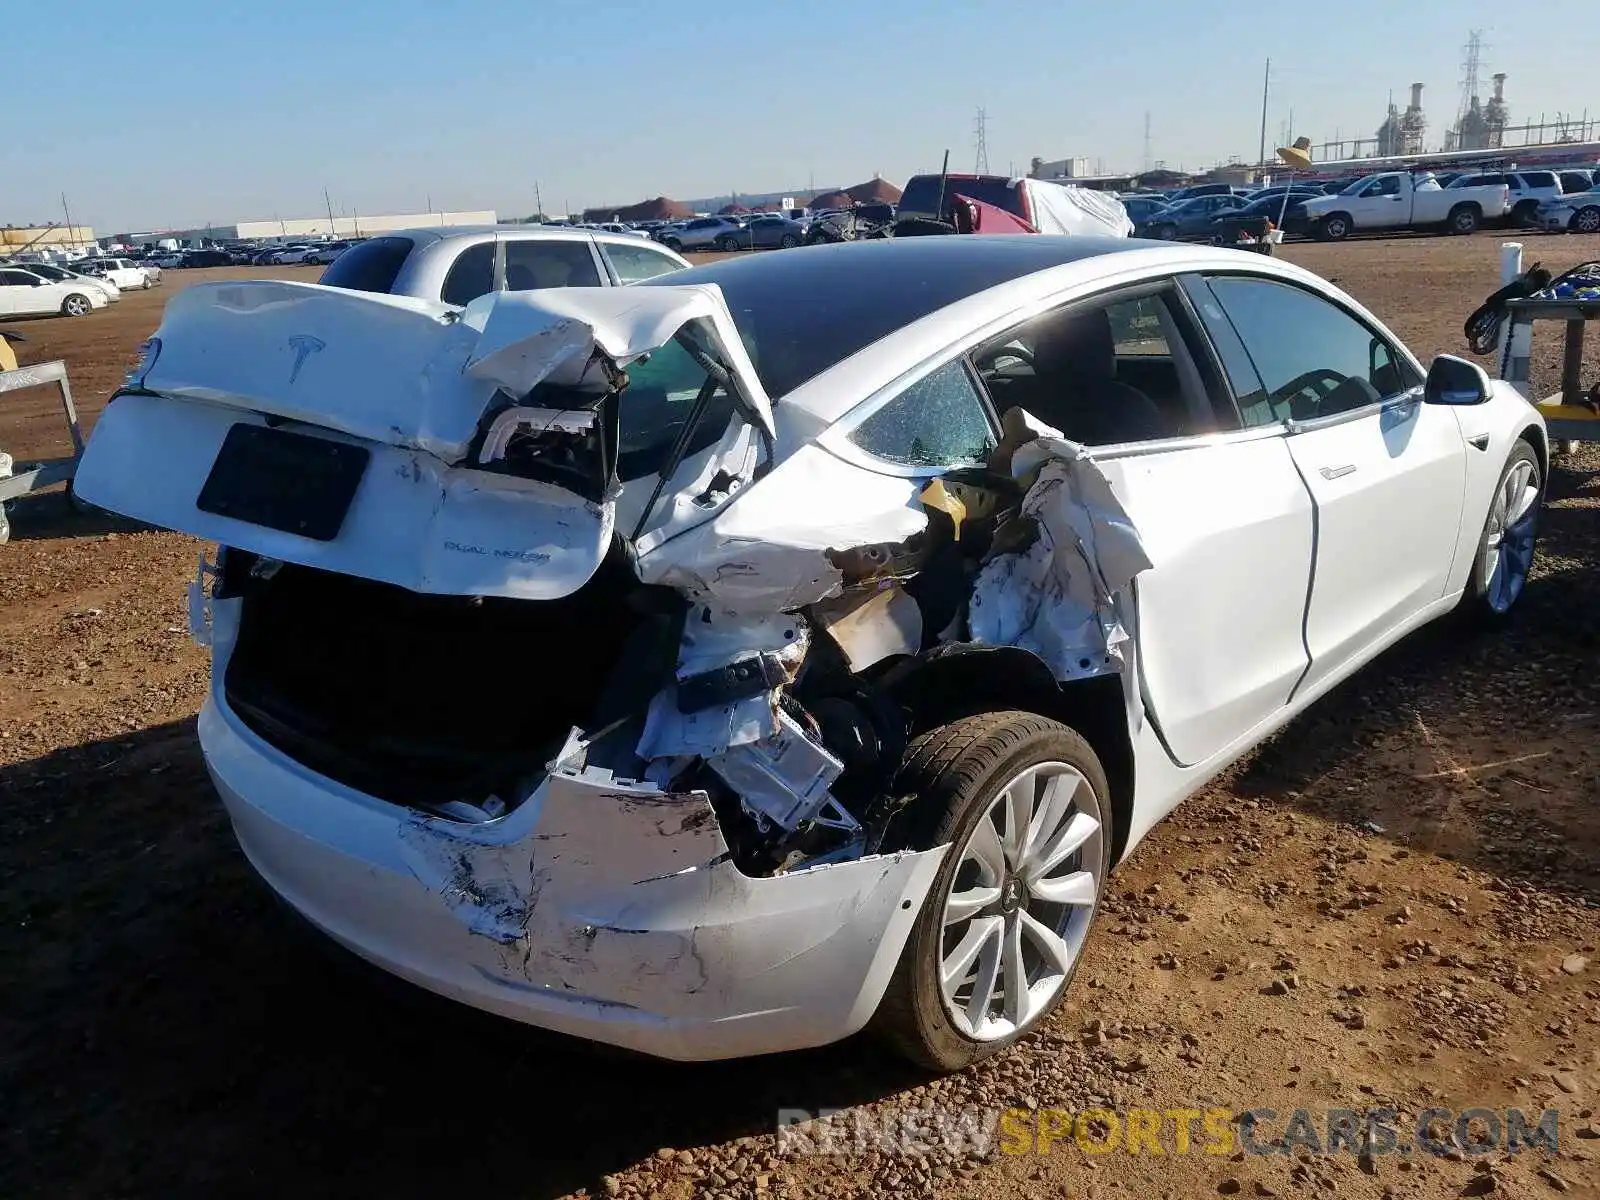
(1453, 380)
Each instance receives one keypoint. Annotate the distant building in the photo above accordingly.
(283, 229)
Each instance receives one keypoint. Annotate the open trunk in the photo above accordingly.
(429, 700)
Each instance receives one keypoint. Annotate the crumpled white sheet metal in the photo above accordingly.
(1059, 597)
(1065, 208)
(530, 337)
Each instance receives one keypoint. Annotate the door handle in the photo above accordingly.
(1338, 472)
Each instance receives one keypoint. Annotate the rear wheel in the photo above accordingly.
(1165, 233)
(1024, 801)
(76, 305)
(1505, 550)
(1586, 220)
(1522, 214)
(789, 241)
(1465, 219)
(727, 245)
(1335, 227)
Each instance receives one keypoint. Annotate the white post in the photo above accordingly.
(1513, 363)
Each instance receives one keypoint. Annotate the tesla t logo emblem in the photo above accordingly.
(304, 346)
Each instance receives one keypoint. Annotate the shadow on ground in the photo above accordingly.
(49, 514)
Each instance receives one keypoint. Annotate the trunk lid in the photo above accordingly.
(470, 452)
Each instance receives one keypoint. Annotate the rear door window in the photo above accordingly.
(549, 264)
(939, 421)
(370, 267)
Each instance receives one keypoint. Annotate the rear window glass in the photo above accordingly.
(370, 267)
(922, 193)
(471, 275)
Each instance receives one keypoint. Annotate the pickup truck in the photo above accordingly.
(1399, 200)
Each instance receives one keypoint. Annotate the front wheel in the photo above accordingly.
(1335, 228)
(1024, 802)
(727, 245)
(789, 241)
(1505, 550)
(1165, 233)
(1586, 220)
(76, 306)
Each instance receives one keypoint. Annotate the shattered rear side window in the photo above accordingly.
(938, 421)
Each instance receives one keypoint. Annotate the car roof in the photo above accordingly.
(807, 310)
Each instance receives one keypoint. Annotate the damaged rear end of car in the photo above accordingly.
(517, 694)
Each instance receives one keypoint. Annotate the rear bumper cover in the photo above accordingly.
(601, 908)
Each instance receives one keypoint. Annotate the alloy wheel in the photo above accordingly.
(1021, 901)
(1509, 536)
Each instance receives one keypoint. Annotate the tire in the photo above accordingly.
(1586, 220)
(727, 245)
(788, 242)
(76, 305)
(1510, 531)
(960, 774)
(674, 245)
(1335, 227)
(147, 284)
(1522, 214)
(1464, 219)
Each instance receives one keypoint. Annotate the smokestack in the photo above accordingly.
(1500, 85)
(1416, 95)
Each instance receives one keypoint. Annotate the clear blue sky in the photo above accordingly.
(180, 112)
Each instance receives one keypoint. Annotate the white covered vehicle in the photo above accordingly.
(715, 665)
(1400, 200)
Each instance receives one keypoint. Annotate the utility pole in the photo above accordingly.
(1266, 84)
(1147, 139)
(980, 135)
(72, 237)
(329, 203)
(538, 199)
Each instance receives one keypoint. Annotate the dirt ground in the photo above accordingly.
(1394, 904)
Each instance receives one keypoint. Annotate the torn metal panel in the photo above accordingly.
(1059, 597)
(669, 733)
(769, 552)
(873, 625)
(550, 334)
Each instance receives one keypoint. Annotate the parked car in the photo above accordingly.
(1188, 220)
(766, 231)
(755, 793)
(1528, 189)
(1207, 189)
(704, 233)
(205, 258)
(457, 264)
(1578, 212)
(170, 259)
(329, 252)
(1397, 200)
(1283, 211)
(24, 294)
(55, 274)
(1142, 208)
(289, 255)
(126, 274)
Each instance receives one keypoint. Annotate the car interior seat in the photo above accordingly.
(1075, 386)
